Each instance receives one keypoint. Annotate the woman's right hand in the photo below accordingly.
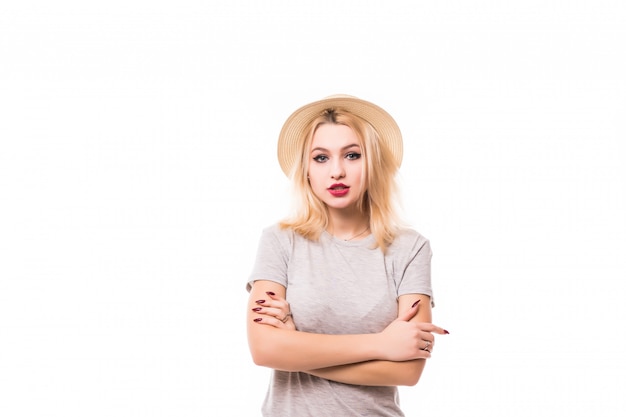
(404, 340)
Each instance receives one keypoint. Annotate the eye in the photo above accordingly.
(353, 155)
(320, 158)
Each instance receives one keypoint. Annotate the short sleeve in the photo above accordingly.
(414, 267)
(272, 258)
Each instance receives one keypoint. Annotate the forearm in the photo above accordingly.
(376, 373)
(300, 351)
(381, 372)
(289, 350)
(274, 346)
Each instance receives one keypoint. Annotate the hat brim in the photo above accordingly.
(292, 132)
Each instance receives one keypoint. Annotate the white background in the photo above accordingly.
(137, 169)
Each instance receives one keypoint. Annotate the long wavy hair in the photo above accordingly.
(378, 200)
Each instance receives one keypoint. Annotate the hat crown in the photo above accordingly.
(339, 96)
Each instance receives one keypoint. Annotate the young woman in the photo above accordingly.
(340, 294)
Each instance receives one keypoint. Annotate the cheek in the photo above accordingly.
(358, 174)
(315, 185)
(312, 178)
(362, 181)
(313, 174)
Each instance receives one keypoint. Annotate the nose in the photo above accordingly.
(337, 169)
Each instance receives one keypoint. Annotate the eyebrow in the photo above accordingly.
(343, 149)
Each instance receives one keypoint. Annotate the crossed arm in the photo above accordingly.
(395, 356)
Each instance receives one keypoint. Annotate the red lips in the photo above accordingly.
(338, 189)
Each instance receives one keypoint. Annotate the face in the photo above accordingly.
(336, 166)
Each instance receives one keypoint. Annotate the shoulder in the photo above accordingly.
(283, 235)
(273, 229)
(408, 236)
(409, 241)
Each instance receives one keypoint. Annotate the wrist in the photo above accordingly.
(375, 344)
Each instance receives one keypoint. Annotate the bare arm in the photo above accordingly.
(375, 373)
(289, 350)
(386, 373)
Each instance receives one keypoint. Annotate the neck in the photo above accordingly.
(347, 227)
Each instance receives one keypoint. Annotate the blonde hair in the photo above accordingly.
(378, 198)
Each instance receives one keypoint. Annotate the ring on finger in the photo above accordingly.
(427, 346)
(284, 320)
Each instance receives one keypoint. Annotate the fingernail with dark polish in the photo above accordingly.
(258, 320)
(269, 293)
(416, 303)
(445, 331)
(259, 301)
(257, 309)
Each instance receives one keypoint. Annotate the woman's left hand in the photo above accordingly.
(274, 311)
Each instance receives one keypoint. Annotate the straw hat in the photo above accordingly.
(292, 133)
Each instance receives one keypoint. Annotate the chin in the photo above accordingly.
(342, 206)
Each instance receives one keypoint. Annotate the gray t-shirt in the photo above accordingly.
(339, 287)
